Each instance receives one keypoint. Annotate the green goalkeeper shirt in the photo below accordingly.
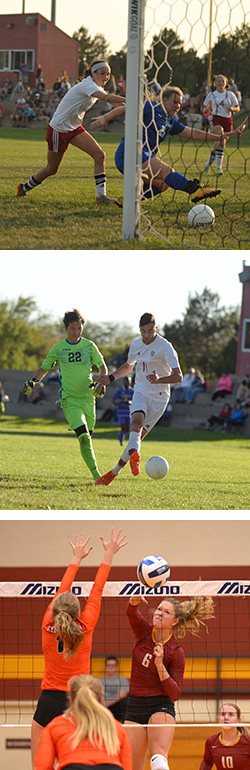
(75, 361)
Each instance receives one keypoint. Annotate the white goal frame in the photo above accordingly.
(133, 119)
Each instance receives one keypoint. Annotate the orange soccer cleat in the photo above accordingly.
(135, 463)
(20, 191)
(106, 479)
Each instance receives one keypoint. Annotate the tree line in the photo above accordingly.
(230, 56)
(205, 337)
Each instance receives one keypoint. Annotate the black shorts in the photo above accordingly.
(108, 766)
(52, 703)
(141, 709)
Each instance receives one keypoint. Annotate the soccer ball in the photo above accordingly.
(157, 467)
(201, 215)
(153, 571)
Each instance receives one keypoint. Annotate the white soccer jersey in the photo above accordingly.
(159, 356)
(71, 110)
(221, 103)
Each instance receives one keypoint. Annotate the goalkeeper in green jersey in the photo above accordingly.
(75, 357)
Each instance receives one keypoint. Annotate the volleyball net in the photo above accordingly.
(217, 667)
(186, 43)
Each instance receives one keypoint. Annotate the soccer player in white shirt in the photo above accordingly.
(66, 128)
(222, 104)
(157, 367)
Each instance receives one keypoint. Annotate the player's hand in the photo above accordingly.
(99, 390)
(28, 386)
(98, 122)
(154, 377)
(79, 548)
(137, 599)
(158, 652)
(104, 379)
(113, 545)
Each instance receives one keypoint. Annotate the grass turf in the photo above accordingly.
(42, 469)
(62, 214)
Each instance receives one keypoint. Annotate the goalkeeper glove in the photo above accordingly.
(99, 390)
(29, 385)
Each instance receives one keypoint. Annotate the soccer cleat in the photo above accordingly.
(135, 463)
(105, 199)
(20, 190)
(119, 202)
(203, 193)
(106, 479)
(219, 171)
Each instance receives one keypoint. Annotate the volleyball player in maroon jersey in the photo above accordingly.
(157, 673)
(231, 747)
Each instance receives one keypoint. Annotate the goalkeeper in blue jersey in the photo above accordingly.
(75, 357)
(159, 122)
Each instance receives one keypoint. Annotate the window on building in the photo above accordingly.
(12, 60)
(43, 26)
(246, 334)
(4, 60)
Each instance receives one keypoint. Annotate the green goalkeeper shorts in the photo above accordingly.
(79, 411)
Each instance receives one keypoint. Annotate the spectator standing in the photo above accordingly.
(223, 104)
(116, 688)
(122, 400)
(224, 387)
(243, 392)
(121, 85)
(39, 73)
(7, 88)
(24, 74)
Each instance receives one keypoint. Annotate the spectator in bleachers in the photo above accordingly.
(116, 688)
(40, 87)
(28, 115)
(65, 81)
(121, 85)
(223, 388)
(52, 105)
(185, 101)
(236, 417)
(243, 392)
(17, 116)
(197, 386)
(38, 105)
(233, 87)
(2, 111)
(179, 390)
(57, 88)
(220, 418)
(7, 88)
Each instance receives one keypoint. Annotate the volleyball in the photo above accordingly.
(153, 571)
(157, 467)
(201, 215)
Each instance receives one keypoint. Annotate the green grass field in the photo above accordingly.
(62, 214)
(42, 469)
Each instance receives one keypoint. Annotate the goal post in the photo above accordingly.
(133, 119)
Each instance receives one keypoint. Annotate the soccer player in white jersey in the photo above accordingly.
(66, 128)
(222, 104)
(157, 366)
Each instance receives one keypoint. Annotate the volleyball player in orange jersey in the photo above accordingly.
(157, 673)
(87, 735)
(67, 634)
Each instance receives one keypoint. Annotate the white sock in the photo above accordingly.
(134, 441)
(100, 180)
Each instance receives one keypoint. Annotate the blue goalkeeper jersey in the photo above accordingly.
(157, 125)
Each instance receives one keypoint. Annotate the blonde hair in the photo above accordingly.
(191, 614)
(65, 610)
(221, 76)
(94, 721)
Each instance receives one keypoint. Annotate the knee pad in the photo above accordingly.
(159, 762)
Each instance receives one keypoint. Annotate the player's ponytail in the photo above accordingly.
(191, 614)
(94, 721)
(65, 609)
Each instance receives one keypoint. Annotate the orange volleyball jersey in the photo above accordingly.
(58, 669)
(56, 743)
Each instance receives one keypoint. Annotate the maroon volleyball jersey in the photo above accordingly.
(145, 680)
(235, 757)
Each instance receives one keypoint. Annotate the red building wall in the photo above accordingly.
(54, 50)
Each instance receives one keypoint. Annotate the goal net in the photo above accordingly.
(186, 43)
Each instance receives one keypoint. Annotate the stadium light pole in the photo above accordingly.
(133, 119)
(209, 69)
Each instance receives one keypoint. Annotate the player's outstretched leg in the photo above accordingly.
(105, 479)
(88, 455)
